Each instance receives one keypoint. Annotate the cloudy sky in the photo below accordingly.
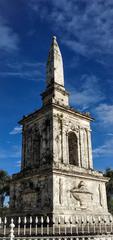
(84, 31)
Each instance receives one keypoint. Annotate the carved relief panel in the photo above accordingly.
(83, 197)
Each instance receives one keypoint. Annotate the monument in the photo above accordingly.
(57, 176)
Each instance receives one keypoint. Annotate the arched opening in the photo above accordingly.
(73, 149)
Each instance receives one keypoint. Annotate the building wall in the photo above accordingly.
(63, 124)
(75, 188)
(58, 187)
(32, 195)
(37, 147)
(73, 194)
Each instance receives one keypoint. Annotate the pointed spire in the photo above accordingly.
(55, 91)
(55, 73)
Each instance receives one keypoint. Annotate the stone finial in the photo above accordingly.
(55, 73)
(54, 37)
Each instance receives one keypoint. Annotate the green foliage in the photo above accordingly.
(4, 186)
(109, 189)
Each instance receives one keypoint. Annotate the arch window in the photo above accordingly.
(73, 149)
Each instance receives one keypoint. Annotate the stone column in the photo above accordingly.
(83, 144)
(81, 147)
(56, 140)
(48, 137)
(23, 149)
(43, 145)
(67, 149)
(79, 153)
(26, 147)
(86, 148)
(85, 163)
(60, 191)
(90, 161)
(80, 150)
(59, 135)
(64, 145)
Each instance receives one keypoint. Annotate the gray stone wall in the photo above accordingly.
(37, 142)
(32, 195)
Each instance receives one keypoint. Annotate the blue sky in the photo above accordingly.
(84, 31)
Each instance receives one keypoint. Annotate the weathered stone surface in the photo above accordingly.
(55, 73)
(57, 175)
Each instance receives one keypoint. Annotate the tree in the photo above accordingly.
(4, 186)
(109, 189)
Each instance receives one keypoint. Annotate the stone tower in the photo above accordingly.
(57, 175)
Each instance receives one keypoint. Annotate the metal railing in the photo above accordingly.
(82, 228)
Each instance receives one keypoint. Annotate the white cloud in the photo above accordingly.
(104, 113)
(13, 152)
(76, 46)
(24, 70)
(104, 150)
(18, 164)
(8, 38)
(86, 26)
(109, 134)
(16, 130)
(88, 94)
(89, 24)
